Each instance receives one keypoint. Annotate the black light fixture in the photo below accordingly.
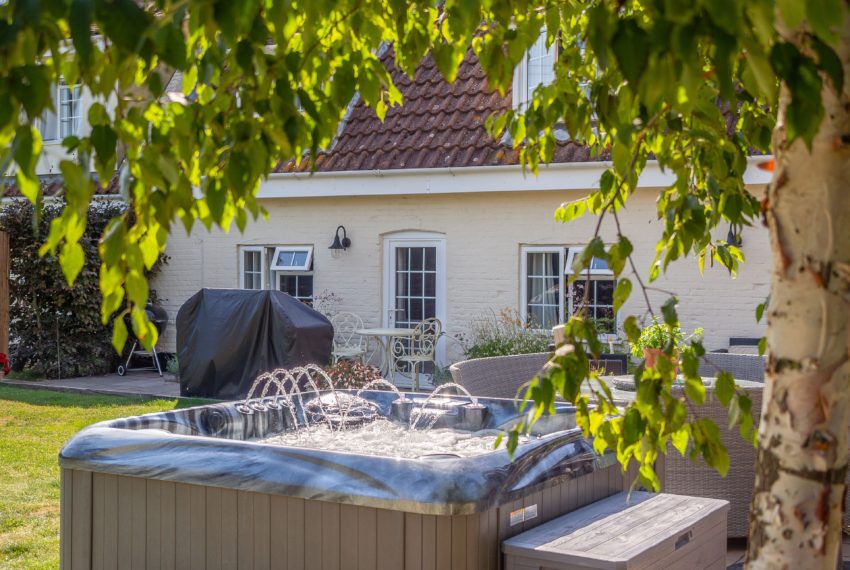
(734, 236)
(340, 245)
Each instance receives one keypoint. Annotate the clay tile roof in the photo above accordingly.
(439, 125)
(51, 185)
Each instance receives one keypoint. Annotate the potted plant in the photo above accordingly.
(658, 336)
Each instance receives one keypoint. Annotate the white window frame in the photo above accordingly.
(254, 249)
(576, 251)
(521, 95)
(566, 256)
(595, 275)
(305, 267)
(523, 290)
(75, 120)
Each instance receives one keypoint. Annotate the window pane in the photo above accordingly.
(416, 258)
(401, 258)
(305, 286)
(430, 259)
(430, 308)
(597, 263)
(401, 312)
(289, 284)
(299, 258)
(577, 290)
(416, 310)
(604, 292)
(401, 284)
(416, 285)
(430, 284)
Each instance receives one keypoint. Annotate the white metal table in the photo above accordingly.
(384, 337)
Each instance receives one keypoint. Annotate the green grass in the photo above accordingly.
(34, 425)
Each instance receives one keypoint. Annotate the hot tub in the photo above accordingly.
(233, 486)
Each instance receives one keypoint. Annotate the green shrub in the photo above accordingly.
(661, 335)
(503, 335)
(56, 330)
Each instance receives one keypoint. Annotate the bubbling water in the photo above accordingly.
(367, 431)
(385, 438)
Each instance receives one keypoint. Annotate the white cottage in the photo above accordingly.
(444, 222)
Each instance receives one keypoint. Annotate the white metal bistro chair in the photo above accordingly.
(348, 344)
(415, 351)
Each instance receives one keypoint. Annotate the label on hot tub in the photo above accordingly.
(523, 514)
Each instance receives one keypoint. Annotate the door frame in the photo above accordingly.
(416, 239)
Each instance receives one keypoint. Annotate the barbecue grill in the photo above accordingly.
(159, 317)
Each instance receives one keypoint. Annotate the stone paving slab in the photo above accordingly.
(145, 384)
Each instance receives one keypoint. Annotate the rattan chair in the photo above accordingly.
(498, 376)
(347, 344)
(418, 349)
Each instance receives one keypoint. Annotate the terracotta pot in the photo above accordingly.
(651, 355)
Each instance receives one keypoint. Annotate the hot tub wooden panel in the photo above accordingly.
(114, 521)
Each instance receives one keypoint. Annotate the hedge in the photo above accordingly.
(56, 331)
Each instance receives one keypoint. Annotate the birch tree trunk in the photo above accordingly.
(796, 513)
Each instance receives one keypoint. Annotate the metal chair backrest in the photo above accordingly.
(427, 333)
(345, 326)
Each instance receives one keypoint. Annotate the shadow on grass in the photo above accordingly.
(40, 397)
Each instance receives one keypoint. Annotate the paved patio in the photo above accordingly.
(145, 384)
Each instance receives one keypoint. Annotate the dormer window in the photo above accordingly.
(537, 68)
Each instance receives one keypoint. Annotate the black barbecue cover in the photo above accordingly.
(227, 337)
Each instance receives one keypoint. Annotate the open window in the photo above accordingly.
(547, 296)
(292, 258)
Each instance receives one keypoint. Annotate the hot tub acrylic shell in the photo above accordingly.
(161, 491)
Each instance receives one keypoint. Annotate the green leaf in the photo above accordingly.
(695, 389)
(621, 293)
(830, 63)
(569, 211)
(792, 11)
(71, 258)
(826, 18)
(760, 311)
(79, 22)
(679, 439)
(630, 45)
(668, 309)
(762, 345)
(631, 328)
(119, 333)
(724, 387)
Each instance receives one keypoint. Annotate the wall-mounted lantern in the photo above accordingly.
(340, 244)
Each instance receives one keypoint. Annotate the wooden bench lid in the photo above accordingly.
(617, 528)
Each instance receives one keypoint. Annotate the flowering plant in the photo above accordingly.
(4, 361)
(350, 374)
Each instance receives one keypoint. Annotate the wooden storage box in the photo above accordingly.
(646, 531)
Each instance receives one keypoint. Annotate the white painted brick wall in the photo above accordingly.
(484, 233)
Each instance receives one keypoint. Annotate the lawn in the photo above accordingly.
(34, 424)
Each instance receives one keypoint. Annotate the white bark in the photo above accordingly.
(796, 513)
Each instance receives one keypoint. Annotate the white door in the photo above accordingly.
(415, 281)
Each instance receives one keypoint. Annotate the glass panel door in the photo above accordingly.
(415, 283)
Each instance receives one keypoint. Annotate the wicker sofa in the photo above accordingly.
(498, 376)
(681, 476)
(740, 366)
